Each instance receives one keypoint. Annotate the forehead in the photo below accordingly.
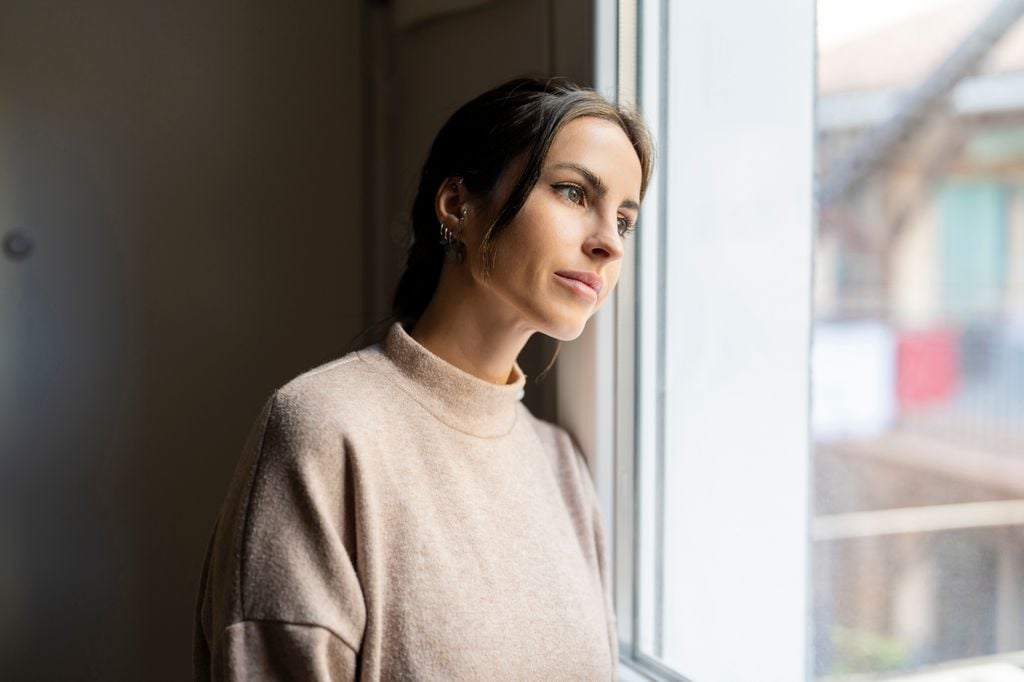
(603, 148)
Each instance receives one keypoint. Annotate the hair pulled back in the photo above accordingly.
(519, 118)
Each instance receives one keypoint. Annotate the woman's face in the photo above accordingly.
(560, 257)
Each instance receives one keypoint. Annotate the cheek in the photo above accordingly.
(611, 280)
(516, 263)
(531, 244)
(612, 273)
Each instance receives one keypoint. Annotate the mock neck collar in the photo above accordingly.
(454, 397)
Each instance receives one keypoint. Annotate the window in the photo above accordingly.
(808, 413)
(703, 454)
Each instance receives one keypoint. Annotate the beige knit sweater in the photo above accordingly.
(394, 518)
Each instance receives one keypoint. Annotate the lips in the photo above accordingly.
(590, 279)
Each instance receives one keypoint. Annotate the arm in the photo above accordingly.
(280, 598)
(273, 650)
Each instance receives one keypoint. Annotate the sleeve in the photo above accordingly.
(280, 598)
(274, 650)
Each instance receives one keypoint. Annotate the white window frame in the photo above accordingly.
(730, 638)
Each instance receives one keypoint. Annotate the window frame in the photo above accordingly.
(606, 420)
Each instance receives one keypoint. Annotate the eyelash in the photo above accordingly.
(626, 225)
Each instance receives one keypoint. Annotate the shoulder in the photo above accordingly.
(551, 435)
(562, 446)
(322, 414)
(572, 474)
(345, 390)
(333, 380)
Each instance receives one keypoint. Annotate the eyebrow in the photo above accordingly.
(596, 182)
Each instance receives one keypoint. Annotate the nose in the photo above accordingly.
(605, 243)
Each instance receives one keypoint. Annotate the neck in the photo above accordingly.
(464, 326)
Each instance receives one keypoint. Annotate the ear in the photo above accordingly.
(451, 202)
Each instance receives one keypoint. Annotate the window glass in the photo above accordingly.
(918, 354)
(714, 323)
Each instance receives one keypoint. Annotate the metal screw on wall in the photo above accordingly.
(17, 246)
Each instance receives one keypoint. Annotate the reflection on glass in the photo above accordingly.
(918, 363)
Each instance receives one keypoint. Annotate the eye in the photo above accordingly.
(573, 193)
(625, 226)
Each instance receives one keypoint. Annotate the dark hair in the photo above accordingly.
(479, 141)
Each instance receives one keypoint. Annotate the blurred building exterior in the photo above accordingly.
(919, 345)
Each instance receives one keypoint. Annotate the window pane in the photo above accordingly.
(918, 360)
(723, 295)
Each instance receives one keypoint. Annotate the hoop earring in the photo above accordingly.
(454, 249)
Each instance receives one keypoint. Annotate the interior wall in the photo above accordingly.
(191, 177)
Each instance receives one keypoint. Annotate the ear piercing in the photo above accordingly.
(454, 249)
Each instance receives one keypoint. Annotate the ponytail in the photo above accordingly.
(419, 281)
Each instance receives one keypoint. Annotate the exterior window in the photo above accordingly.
(701, 368)
(807, 423)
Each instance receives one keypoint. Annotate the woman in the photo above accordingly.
(398, 513)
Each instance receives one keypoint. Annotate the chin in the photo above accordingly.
(565, 330)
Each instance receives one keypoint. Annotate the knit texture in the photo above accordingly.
(395, 518)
